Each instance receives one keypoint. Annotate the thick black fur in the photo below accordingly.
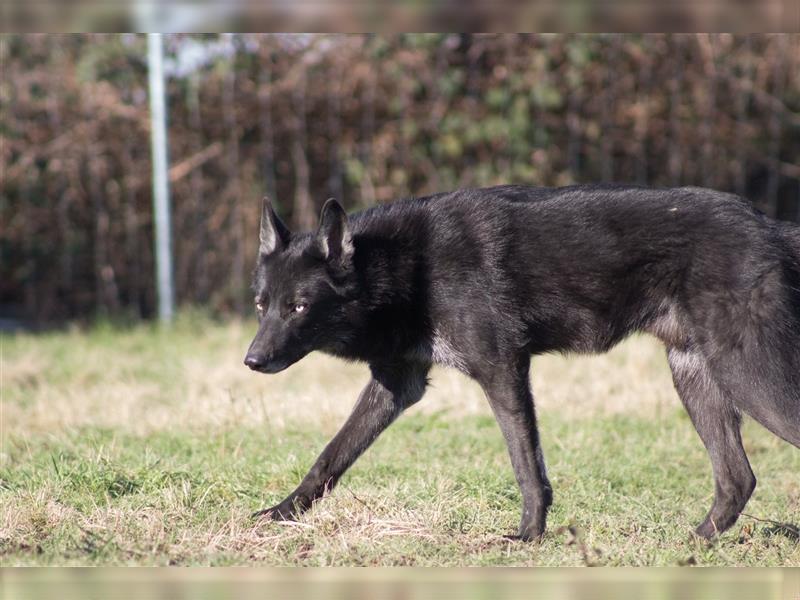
(481, 279)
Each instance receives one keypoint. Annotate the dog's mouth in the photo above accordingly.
(273, 366)
(270, 366)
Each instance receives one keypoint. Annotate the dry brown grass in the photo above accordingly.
(213, 388)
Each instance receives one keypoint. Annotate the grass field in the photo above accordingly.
(147, 447)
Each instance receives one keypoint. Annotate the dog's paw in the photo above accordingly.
(279, 512)
(526, 535)
(707, 531)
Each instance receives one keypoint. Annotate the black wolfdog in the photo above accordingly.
(481, 279)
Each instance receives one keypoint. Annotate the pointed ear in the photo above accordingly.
(274, 235)
(333, 237)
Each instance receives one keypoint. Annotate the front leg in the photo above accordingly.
(391, 390)
(508, 390)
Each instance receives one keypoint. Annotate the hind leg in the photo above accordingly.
(766, 386)
(717, 421)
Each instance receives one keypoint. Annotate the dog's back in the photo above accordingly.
(572, 269)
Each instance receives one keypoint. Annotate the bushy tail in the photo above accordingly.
(791, 236)
(791, 233)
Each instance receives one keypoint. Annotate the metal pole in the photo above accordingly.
(161, 204)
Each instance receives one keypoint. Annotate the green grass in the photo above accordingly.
(152, 447)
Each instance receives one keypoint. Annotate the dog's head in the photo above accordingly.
(302, 284)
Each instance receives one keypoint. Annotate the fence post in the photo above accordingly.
(161, 204)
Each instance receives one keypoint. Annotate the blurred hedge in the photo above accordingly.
(363, 118)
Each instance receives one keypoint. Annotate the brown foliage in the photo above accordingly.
(364, 118)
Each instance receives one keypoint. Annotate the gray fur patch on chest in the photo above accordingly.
(443, 353)
(668, 327)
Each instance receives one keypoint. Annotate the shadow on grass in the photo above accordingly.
(790, 531)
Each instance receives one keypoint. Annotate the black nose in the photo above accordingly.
(254, 362)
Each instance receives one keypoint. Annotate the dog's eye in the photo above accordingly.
(300, 307)
(259, 306)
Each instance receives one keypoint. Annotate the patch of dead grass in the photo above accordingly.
(208, 387)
